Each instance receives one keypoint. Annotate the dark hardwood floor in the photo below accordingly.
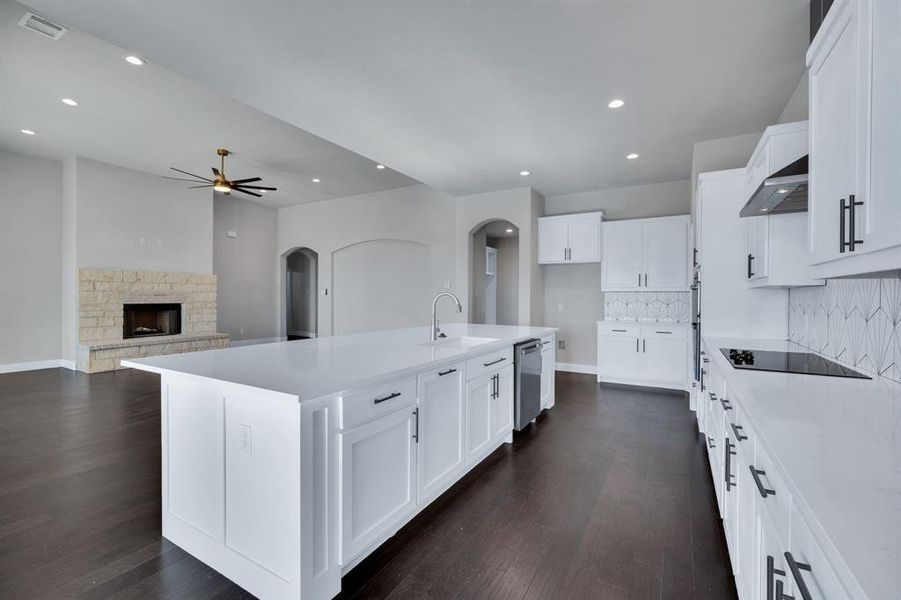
(608, 497)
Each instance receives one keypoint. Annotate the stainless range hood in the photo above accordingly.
(785, 191)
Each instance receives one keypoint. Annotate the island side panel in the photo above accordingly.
(231, 480)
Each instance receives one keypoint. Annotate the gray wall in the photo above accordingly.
(719, 154)
(246, 268)
(477, 277)
(128, 219)
(507, 279)
(797, 109)
(573, 300)
(302, 268)
(30, 258)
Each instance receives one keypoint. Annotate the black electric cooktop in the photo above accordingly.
(803, 363)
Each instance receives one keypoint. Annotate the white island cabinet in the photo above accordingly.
(284, 465)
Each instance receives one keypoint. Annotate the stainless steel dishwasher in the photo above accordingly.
(527, 368)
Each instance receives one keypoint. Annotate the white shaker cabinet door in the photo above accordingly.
(585, 239)
(479, 404)
(666, 255)
(552, 240)
(441, 430)
(834, 143)
(664, 356)
(618, 357)
(378, 480)
(622, 256)
(502, 405)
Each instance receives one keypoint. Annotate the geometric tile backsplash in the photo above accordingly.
(856, 321)
(672, 307)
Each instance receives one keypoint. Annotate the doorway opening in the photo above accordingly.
(494, 273)
(301, 294)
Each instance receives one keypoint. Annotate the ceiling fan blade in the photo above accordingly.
(182, 179)
(191, 174)
(248, 180)
(243, 191)
(257, 187)
(194, 187)
(216, 172)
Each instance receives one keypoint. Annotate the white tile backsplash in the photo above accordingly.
(856, 321)
(664, 307)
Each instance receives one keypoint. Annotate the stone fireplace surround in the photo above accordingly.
(102, 294)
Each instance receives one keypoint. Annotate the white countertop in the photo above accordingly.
(318, 367)
(838, 442)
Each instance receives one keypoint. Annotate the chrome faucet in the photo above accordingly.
(435, 329)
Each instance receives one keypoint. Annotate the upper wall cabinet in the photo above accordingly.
(570, 238)
(855, 91)
(646, 255)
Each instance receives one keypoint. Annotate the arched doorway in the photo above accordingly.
(494, 274)
(301, 294)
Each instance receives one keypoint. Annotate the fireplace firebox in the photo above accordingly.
(144, 320)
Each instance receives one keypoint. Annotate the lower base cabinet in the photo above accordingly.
(651, 354)
(378, 484)
(479, 399)
(772, 551)
(441, 430)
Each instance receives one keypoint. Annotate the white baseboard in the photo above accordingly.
(577, 368)
(253, 342)
(36, 365)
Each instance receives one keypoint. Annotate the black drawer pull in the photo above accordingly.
(620, 330)
(386, 398)
(796, 567)
(665, 332)
(713, 397)
(710, 442)
(729, 454)
(764, 491)
(494, 362)
(771, 572)
(737, 429)
(448, 372)
(726, 404)
(852, 233)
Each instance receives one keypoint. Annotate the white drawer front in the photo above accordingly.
(806, 565)
(772, 491)
(364, 404)
(625, 329)
(488, 363)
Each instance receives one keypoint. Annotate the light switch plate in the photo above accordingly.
(231, 233)
(246, 439)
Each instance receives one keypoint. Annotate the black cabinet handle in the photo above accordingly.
(494, 362)
(703, 372)
(448, 372)
(644, 346)
(729, 454)
(852, 230)
(636, 344)
(737, 429)
(664, 332)
(639, 280)
(796, 567)
(764, 491)
(713, 397)
(726, 404)
(386, 398)
(416, 431)
(645, 280)
(771, 572)
(750, 258)
(842, 244)
(620, 330)
(710, 442)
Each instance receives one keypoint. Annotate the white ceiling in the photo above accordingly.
(150, 118)
(464, 95)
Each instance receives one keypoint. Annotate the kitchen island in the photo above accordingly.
(285, 464)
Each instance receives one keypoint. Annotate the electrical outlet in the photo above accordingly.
(246, 440)
(231, 233)
(560, 307)
(561, 344)
(241, 331)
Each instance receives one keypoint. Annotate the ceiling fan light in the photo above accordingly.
(220, 186)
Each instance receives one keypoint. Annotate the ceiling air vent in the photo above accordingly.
(39, 24)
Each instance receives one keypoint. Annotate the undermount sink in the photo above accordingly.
(460, 342)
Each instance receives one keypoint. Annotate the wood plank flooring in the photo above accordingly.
(608, 497)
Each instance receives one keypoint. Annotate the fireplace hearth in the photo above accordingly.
(146, 320)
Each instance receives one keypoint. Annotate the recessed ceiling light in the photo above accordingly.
(616, 103)
(135, 60)
(27, 132)
(525, 173)
(380, 167)
(782, 191)
(69, 102)
(764, 209)
(316, 180)
(509, 230)
(632, 156)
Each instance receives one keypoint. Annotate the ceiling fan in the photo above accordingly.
(220, 183)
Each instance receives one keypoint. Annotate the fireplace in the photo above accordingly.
(144, 320)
